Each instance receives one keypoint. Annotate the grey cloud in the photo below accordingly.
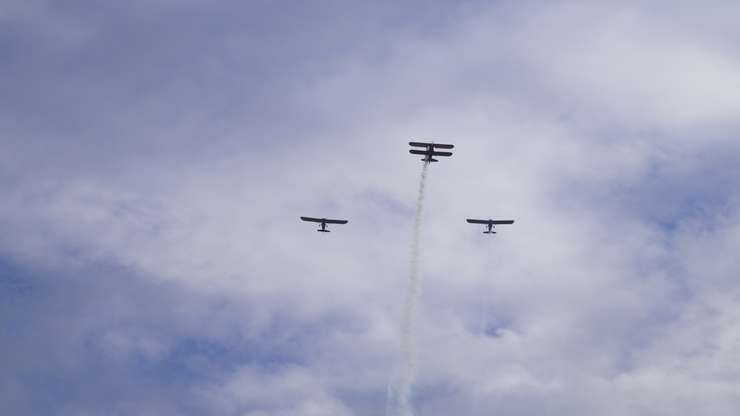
(105, 340)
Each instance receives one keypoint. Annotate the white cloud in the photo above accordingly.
(292, 391)
(603, 131)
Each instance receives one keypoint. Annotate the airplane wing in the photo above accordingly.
(441, 153)
(472, 221)
(311, 219)
(336, 221)
(443, 146)
(418, 152)
(419, 144)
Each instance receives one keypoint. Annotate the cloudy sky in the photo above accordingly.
(155, 156)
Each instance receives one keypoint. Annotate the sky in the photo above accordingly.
(155, 157)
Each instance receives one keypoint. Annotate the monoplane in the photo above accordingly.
(490, 224)
(323, 221)
(430, 151)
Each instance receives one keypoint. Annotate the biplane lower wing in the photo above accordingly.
(428, 153)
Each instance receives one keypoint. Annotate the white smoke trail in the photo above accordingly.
(399, 393)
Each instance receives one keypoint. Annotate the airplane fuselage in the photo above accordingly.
(323, 226)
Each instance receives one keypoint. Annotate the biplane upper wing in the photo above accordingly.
(435, 145)
(419, 144)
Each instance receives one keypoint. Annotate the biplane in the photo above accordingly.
(430, 150)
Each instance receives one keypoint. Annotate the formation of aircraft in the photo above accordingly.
(429, 153)
(491, 224)
(323, 221)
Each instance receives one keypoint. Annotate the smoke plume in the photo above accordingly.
(399, 393)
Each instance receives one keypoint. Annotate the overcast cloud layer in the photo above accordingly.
(155, 156)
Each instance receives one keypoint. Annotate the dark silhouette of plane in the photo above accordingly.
(429, 152)
(323, 222)
(490, 224)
